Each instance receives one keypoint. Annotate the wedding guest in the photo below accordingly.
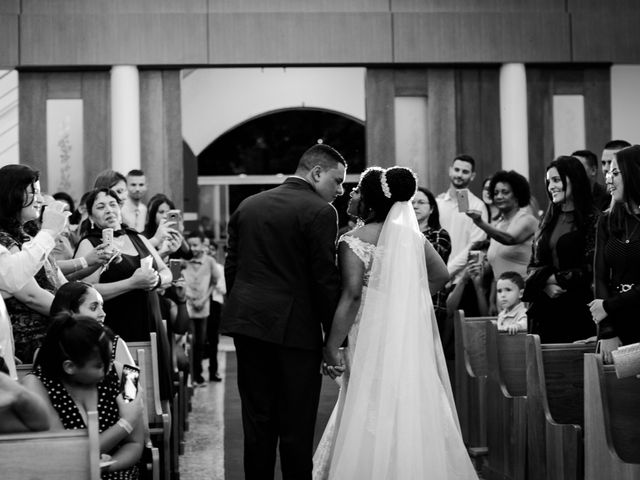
(512, 232)
(28, 307)
(73, 374)
(471, 290)
(165, 235)
(127, 286)
(512, 317)
(213, 325)
(589, 160)
(617, 264)
(80, 298)
(134, 211)
(558, 286)
(492, 210)
(18, 269)
(609, 151)
(426, 209)
(201, 276)
(460, 227)
(112, 180)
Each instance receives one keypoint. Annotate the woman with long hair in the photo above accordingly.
(166, 236)
(617, 264)
(558, 285)
(21, 202)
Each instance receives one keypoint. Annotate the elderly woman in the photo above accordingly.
(28, 307)
(560, 274)
(128, 282)
(617, 264)
(512, 232)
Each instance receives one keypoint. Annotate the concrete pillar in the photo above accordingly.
(125, 118)
(513, 118)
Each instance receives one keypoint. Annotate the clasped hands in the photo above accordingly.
(332, 362)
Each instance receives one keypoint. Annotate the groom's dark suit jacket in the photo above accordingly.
(281, 275)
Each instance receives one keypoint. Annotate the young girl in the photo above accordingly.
(513, 313)
(73, 374)
(81, 298)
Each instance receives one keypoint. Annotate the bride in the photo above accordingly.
(395, 417)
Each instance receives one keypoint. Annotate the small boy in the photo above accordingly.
(513, 313)
(201, 276)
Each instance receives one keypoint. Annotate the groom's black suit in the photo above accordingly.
(283, 286)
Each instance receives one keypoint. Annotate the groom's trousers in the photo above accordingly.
(280, 390)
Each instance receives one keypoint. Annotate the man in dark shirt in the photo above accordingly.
(589, 160)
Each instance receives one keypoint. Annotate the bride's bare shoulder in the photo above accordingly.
(368, 233)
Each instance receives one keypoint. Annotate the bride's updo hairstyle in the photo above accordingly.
(379, 192)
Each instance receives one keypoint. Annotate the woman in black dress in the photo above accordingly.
(127, 287)
(617, 264)
(558, 285)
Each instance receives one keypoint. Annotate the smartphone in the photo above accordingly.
(175, 265)
(174, 216)
(475, 256)
(463, 200)
(129, 382)
(107, 236)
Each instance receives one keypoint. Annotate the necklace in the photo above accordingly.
(626, 229)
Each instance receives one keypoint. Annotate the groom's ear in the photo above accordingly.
(315, 173)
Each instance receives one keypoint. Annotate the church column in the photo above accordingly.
(125, 118)
(513, 118)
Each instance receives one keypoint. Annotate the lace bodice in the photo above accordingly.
(364, 251)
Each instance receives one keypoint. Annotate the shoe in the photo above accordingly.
(198, 381)
(215, 378)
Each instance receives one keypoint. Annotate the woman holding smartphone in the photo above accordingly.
(127, 284)
(73, 375)
(164, 228)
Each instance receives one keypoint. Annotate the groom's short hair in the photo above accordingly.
(320, 155)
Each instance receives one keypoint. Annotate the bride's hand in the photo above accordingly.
(333, 364)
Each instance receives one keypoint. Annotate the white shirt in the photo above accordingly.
(134, 216)
(461, 229)
(220, 290)
(16, 269)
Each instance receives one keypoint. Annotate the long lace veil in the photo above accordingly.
(399, 419)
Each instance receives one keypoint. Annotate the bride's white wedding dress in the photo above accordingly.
(395, 416)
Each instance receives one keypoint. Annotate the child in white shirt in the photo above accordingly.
(513, 312)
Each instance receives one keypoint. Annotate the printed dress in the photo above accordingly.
(108, 413)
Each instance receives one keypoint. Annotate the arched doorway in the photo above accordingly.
(260, 152)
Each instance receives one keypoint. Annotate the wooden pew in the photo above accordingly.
(611, 423)
(471, 379)
(555, 413)
(506, 404)
(159, 419)
(64, 455)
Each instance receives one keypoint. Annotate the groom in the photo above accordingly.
(283, 288)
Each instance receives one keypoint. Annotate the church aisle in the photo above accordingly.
(205, 450)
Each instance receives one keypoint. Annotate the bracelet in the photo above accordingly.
(126, 426)
(83, 263)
